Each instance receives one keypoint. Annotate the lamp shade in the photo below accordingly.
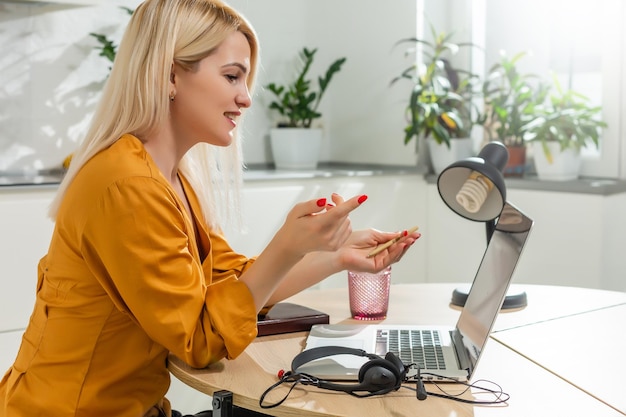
(488, 165)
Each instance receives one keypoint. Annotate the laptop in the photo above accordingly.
(443, 353)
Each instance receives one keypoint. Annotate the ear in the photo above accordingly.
(172, 74)
(172, 84)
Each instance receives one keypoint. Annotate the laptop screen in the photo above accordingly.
(492, 280)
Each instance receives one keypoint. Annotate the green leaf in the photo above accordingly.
(299, 104)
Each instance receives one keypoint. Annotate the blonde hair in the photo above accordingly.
(135, 98)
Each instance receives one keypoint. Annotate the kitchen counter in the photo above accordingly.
(265, 172)
(253, 172)
(45, 177)
(260, 172)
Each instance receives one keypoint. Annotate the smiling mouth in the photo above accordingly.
(232, 116)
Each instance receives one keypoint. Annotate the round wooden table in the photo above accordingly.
(535, 388)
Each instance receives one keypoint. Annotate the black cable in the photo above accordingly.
(421, 392)
(500, 396)
(288, 377)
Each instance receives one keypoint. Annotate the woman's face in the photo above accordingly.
(209, 100)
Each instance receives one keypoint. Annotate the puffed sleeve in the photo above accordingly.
(223, 261)
(138, 245)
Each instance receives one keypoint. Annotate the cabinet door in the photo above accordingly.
(567, 246)
(9, 345)
(394, 203)
(568, 241)
(25, 231)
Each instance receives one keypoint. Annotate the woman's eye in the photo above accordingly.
(232, 78)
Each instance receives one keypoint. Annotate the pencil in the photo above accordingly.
(385, 245)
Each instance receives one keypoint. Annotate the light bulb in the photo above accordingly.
(474, 192)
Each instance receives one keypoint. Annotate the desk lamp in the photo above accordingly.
(474, 188)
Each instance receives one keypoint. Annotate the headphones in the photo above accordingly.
(377, 376)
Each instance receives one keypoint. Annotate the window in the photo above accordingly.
(583, 42)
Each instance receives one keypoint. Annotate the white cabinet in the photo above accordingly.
(9, 344)
(395, 203)
(577, 240)
(25, 232)
(454, 245)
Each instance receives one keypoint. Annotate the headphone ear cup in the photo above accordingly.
(397, 362)
(379, 374)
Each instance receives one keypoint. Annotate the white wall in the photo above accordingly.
(363, 117)
(52, 75)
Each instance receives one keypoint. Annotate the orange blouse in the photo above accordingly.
(127, 279)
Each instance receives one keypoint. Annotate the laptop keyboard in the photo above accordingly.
(412, 346)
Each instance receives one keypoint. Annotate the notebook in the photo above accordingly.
(443, 351)
(288, 317)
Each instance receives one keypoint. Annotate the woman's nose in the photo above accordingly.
(244, 100)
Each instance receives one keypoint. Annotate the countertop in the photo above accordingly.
(266, 172)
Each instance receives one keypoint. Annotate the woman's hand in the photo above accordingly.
(309, 226)
(353, 254)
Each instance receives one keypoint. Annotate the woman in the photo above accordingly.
(137, 267)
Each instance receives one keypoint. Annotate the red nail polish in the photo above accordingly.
(321, 202)
(405, 233)
(362, 199)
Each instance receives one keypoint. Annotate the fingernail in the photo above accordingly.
(406, 232)
(321, 202)
(362, 199)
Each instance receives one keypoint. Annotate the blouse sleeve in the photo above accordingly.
(137, 243)
(223, 261)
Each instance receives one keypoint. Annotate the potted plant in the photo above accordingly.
(511, 102)
(295, 144)
(567, 123)
(440, 105)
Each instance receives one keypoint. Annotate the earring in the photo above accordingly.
(172, 96)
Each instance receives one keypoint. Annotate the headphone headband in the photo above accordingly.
(324, 351)
(377, 376)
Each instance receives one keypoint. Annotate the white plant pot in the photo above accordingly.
(296, 148)
(441, 156)
(565, 164)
